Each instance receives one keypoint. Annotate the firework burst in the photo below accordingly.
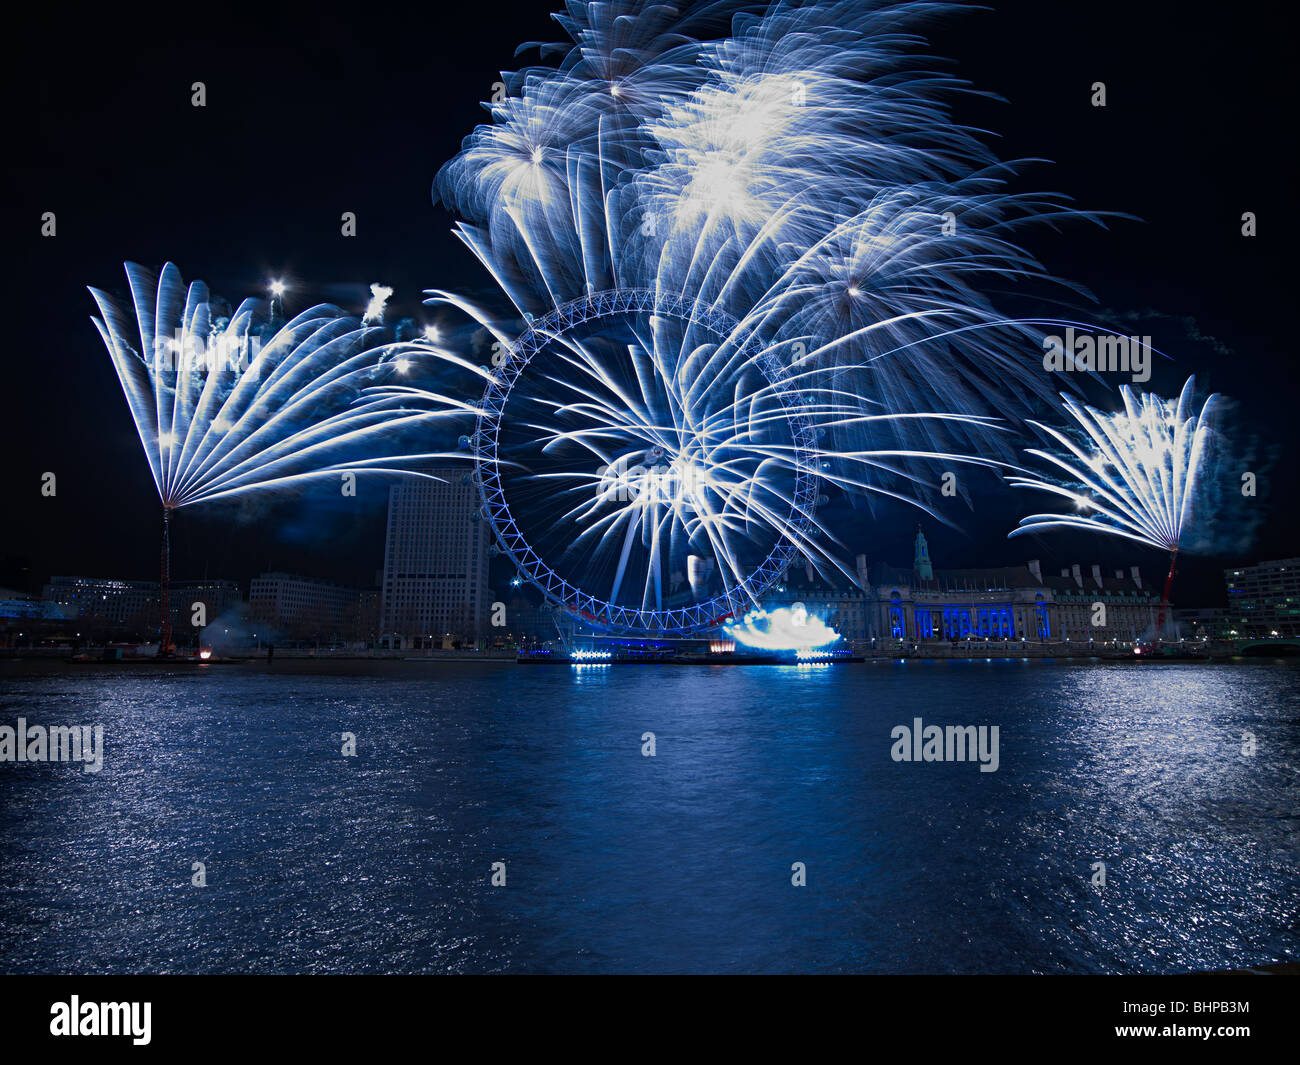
(753, 273)
(226, 403)
(1135, 473)
(229, 403)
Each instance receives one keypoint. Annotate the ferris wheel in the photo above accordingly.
(630, 492)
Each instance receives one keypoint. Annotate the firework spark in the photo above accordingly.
(1135, 473)
(230, 403)
(753, 273)
(379, 295)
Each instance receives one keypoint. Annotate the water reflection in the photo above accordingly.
(680, 861)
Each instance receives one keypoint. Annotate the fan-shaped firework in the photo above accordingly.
(231, 403)
(754, 272)
(1135, 473)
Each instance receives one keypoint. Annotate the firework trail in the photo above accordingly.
(752, 255)
(1135, 473)
(230, 404)
(225, 405)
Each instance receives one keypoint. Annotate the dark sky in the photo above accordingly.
(323, 110)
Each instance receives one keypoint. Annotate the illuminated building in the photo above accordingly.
(1264, 600)
(435, 579)
(112, 603)
(923, 604)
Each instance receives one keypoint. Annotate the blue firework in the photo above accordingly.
(1138, 473)
(745, 255)
(228, 402)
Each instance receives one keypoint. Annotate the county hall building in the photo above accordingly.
(898, 607)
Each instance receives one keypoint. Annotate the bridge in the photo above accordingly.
(1265, 646)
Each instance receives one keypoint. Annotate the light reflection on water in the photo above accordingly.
(679, 862)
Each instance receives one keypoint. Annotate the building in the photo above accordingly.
(30, 620)
(184, 597)
(1129, 607)
(106, 606)
(528, 623)
(1264, 600)
(305, 608)
(887, 605)
(435, 584)
(1203, 623)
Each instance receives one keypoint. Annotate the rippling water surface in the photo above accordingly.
(680, 862)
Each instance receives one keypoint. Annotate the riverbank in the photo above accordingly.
(449, 663)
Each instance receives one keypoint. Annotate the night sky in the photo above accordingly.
(326, 110)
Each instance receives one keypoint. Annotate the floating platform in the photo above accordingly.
(154, 660)
(686, 660)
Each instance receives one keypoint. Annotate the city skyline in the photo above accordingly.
(1256, 600)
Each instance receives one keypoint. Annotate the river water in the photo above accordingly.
(681, 862)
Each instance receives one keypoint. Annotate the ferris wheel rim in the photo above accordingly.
(670, 622)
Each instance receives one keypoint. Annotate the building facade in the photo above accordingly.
(1264, 600)
(305, 608)
(108, 607)
(102, 603)
(215, 597)
(435, 581)
(894, 607)
(1203, 623)
(28, 620)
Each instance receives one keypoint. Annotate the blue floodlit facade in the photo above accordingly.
(890, 605)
